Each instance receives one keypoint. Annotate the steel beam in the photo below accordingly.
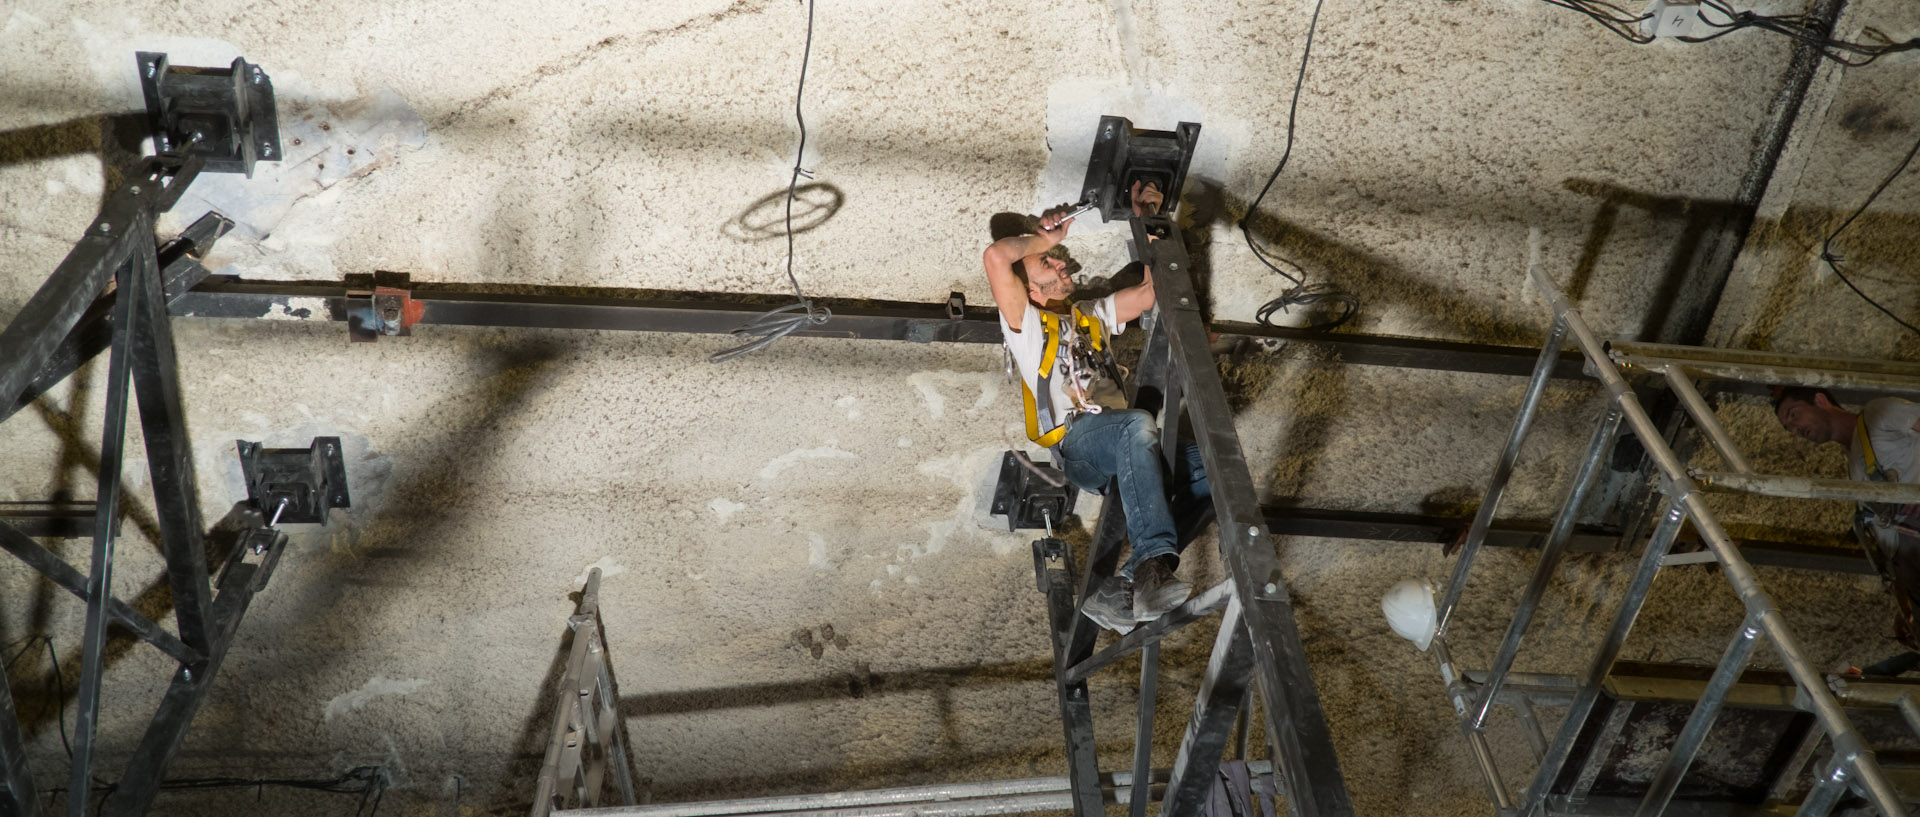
(188, 691)
(224, 296)
(59, 572)
(53, 520)
(133, 280)
(1066, 625)
(169, 454)
(1301, 742)
(40, 326)
(1214, 711)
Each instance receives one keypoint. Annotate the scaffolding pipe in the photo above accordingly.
(1781, 375)
(945, 800)
(1893, 493)
(1848, 746)
(1483, 518)
(1681, 382)
(1671, 521)
(1825, 794)
(1758, 363)
(1910, 710)
(1705, 712)
(1477, 742)
(1550, 554)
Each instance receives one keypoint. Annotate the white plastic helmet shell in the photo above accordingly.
(1410, 612)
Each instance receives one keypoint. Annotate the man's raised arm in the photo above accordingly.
(1009, 291)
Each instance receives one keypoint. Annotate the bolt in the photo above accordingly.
(186, 674)
(1272, 588)
(106, 227)
(266, 148)
(1107, 134)
(1171, 265)
(390, 314)
(150, 67)
(1253, 531)
(329, 448)
(135, 190)
(1183, 302)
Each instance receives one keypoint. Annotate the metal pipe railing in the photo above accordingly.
(1896, 493)
(1758, 367)
(1483, 518)
(1848, 747)
(1705, 712)
(1671, 521)
(1681, 382)
(1825, 793)
(1550, 554)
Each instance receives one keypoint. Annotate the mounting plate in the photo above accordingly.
(224, 116)
(311, 480)
(1123, 154)
(1029, 501)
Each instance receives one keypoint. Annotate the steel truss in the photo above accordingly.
(67, 322)
(1258, 647)
(1677, 368)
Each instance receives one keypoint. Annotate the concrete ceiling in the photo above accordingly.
(740, 511)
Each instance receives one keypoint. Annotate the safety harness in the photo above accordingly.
(1078, 347)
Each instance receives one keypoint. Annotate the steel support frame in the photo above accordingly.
(65, 323)
(1259, 642)
(1683, 503)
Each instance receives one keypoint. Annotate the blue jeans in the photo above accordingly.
(1122, 446)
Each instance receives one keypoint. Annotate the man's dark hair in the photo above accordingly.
(1782, 394)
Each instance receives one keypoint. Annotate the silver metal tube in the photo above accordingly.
(1682, 384)
(1476, 742)
(1910, 710)
(1671, 520)
(1758, 363)
(1785, 376)
(1825, 794)
(945, 800)
(1847, 742)
(1483, 518)
(1530, 727)
(1896, 493)
(1705, 712)
(1550, 554)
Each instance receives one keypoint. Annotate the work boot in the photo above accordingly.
(1111, 605)
(1155, 590)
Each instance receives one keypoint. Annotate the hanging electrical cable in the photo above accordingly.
(1834, 259)
(1301, 293)
(1628, 26)
(788, 319)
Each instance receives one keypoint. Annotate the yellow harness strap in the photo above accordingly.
(1866, 448)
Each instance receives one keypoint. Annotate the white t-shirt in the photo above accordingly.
(1896, 446)
(1028, 344)
(1896, 449)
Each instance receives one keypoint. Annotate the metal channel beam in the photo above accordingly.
(1302, 743)
(223, 296)
(53, 520)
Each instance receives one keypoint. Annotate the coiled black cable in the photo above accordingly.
(1301, 293)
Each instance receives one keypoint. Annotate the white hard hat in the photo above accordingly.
(1410, 611)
